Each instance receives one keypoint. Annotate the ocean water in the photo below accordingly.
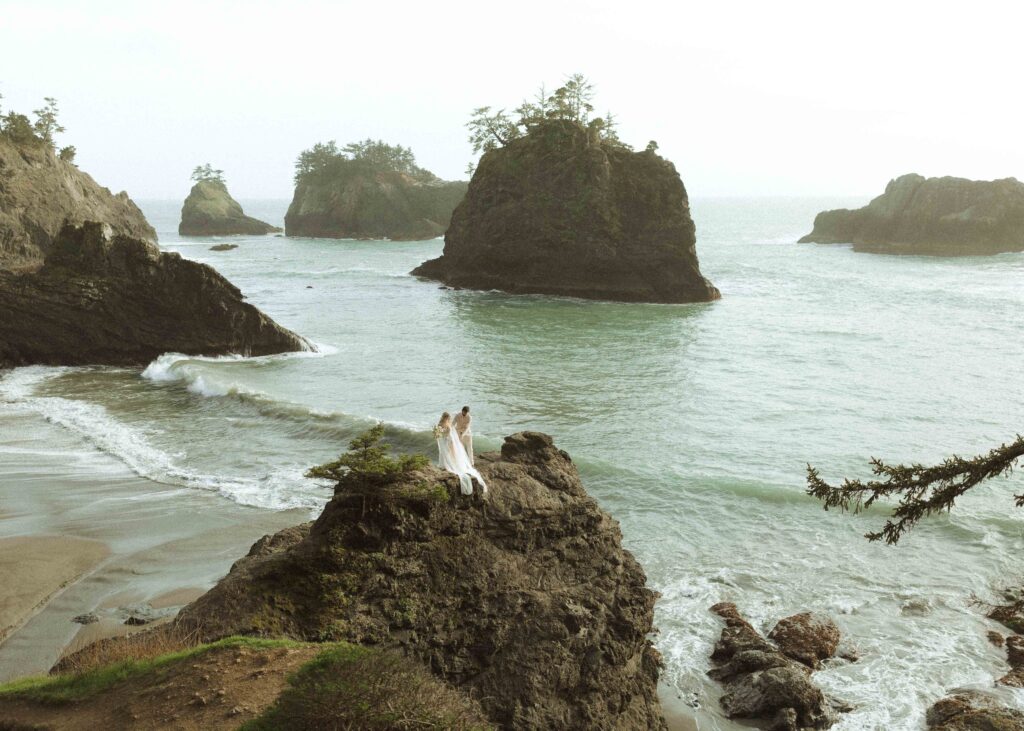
(691, 424)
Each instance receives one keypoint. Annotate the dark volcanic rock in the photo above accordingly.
(561, 212)
(527, 601)
(352, 201)
(210, 210)
(223, 247)
(972, 710)
(934, 216)
(107, 299)
(761, 683)
(39, 193)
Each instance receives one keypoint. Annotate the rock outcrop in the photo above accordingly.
(355, 201)
(210, 210)
(772, 688)
(807, 638)
(39, 193)
(973, 710)
(103, 298)
(933, 216)
(559, 211)
(526, 600)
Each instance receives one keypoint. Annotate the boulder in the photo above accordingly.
(761, 683)
(103, 298)
(807, 638)
(561, 212)
(934, 216)
(526, 600)
(210, 210)
(352, 200)
(973, 710)
(39, 193)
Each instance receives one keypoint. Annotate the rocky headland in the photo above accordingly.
(563, 211)
(39, 193)
(369, 190)
(82, 280)
(526, 601)
(931, 216)
(210, 210)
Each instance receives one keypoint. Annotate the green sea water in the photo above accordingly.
(691, 424)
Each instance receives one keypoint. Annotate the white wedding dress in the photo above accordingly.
(453, 458)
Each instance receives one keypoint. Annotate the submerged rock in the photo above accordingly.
(527, 601)
(223, 247)
(39, 193)
(352, 200)
(761, 683)
(102, 298)
(973, 710)
(210, 210)
(561, 212)
(933, 216)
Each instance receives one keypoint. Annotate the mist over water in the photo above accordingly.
(691, 424)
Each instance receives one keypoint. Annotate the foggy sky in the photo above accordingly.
(747, 98)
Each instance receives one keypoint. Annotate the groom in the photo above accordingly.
(465, 432)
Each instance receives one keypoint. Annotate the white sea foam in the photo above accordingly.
(283, 489)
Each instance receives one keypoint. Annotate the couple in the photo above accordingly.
(455, 449)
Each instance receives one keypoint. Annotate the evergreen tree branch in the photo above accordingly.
(921, 490)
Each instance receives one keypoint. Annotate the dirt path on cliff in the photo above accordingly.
(218, 689)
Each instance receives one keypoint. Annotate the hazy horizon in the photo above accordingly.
(746, 99)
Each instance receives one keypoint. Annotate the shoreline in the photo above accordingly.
(88, 536)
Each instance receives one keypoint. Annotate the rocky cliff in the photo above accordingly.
(525, 600)
(931, 216)
(104, 298)
(354, 201)
(210, 210)
(39, 193)
(559, 211)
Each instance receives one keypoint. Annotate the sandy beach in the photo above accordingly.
(80, 534)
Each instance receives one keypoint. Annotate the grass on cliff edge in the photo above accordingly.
(351, 687)
(71, 687)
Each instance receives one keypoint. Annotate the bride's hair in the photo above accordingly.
(444, 417)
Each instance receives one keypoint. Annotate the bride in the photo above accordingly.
(453, 457)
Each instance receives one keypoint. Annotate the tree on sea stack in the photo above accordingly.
(922, 490)
(207, 174)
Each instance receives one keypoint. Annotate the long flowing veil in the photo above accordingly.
(453, 458)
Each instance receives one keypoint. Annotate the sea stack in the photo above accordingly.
(563, 211)
(369, 190)
(210, 210)
(82, 280)
(526, 600)
(931, 216)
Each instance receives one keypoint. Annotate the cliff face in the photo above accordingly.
(210, 210)
(354, 202)
(527, 601)
(933, 216)
(39, 193)
(558, 212)
(102, 298)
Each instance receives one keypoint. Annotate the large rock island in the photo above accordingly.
(82, 280)
(526, 600)
(931, 216)
(210, 210)
(559, 205)
(368, 190)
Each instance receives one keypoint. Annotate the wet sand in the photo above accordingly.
(35, 568)
(80, 534)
